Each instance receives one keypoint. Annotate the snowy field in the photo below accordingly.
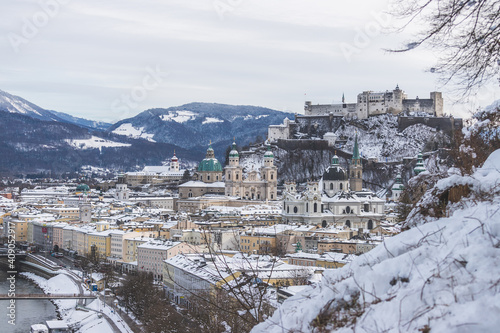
(95, 142)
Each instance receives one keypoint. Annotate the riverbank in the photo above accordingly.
(91, 318)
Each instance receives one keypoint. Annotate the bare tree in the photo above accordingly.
(465, 34)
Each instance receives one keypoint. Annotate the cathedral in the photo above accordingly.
(258, 185)
(338, 199)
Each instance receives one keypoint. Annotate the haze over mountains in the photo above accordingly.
(37, 140)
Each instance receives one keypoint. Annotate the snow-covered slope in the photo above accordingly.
(16, 104)
(95, 142)
(194, 125)
(443, 275)
(379, 137)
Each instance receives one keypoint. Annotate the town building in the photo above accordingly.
(155, 174)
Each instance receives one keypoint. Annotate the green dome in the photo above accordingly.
(234, 151)
(209, 164)
(82, 188)
(269, 153)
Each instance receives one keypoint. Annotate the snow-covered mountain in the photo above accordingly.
(194, 125)
(30, 145)
(16, 104)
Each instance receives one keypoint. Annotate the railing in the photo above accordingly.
(46, 296)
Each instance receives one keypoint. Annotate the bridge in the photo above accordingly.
(47, 296)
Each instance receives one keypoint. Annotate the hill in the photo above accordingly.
(30, 145)
(16, 104)
(193, 126)
(440, 275)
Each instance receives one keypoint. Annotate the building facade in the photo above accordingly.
(258, 185)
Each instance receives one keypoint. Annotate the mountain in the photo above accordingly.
(92, 124)
(16, 104)
(29, 145)
(194, 125)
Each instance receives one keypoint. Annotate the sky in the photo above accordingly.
(110, 60)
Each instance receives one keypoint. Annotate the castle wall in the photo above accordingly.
(303, 144)
(318, 125)
(445, 124)
(343, 109)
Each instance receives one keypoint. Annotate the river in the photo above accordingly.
(28, 312)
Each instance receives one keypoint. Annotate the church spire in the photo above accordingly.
(355, 153)
(343, 98)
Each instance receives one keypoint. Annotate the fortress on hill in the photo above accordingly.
(320, 121)
(371, 103)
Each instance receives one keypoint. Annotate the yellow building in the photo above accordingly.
(102, 242)
(21, 229)
(257, 244)
(130, 248)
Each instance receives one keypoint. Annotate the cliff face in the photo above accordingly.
(385, 150)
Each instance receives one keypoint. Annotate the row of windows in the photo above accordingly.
(295, 209)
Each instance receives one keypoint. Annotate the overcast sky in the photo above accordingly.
(109, 60)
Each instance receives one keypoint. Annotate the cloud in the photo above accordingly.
(268, 53)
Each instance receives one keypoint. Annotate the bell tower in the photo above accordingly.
(233, 173)
(269, 174)
(356, 169)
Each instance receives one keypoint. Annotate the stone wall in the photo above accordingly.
(317, 126)
(446, 124)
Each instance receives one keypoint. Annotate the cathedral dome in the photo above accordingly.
(335, 172)
(82, 188)
(210, 163)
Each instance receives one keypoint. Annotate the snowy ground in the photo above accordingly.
(442, 275)
(86, 321)
(95, 142)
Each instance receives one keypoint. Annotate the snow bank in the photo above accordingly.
(86, 321)
(442, 275)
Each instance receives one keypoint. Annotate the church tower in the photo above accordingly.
(269, 174)
(420, 167)
(174, 163)
(398, 188)
(233, 173)
(356, 169)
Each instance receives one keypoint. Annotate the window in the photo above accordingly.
(237, 176)
(348, 223)
(315, 207)
(307, 207)
(370, 224)
(341, 186)
(331, 186)
(295, 210)
(348, 210)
